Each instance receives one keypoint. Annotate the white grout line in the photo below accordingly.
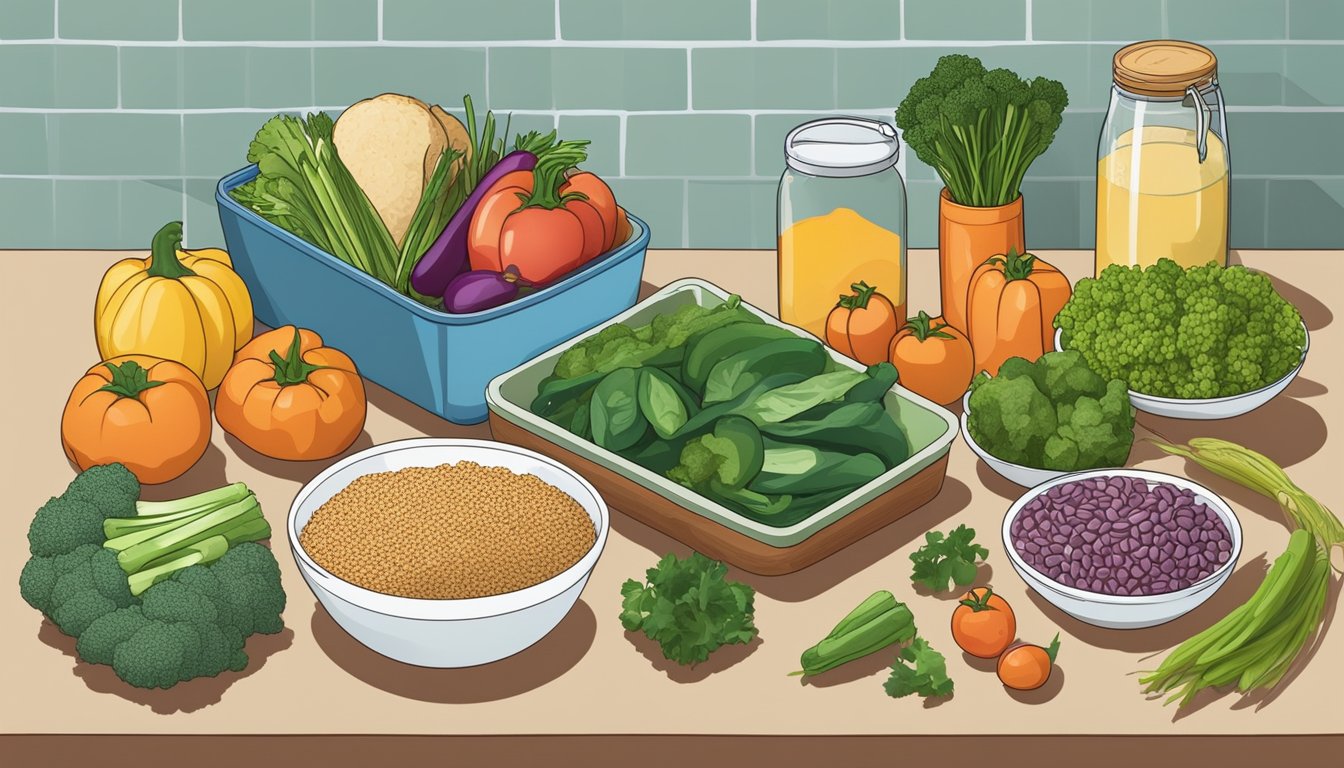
(182, 159)
(628, 44)
(686, 213)
(179, 21)
(1165, 33)
(56, 20)
(690, 76)
(380, 21)
(861, 111)
(622, 144)
(557, 18)
(1029, 29)
(753, 20)
(902, 12)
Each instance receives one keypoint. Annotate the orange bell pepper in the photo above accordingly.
(1011, 306)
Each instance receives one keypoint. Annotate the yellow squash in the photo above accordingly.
(188, 306)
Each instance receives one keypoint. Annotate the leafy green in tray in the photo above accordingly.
(927, 677)
(689, 608)
(755, 417)
(947, 558)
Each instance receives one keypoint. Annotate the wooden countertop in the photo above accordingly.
(588, 676)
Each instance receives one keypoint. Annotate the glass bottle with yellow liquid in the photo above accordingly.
(841, 218)
(1163, 166)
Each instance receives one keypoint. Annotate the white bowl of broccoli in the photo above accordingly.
(1036, 421)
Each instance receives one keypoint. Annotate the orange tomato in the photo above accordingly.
(623, 227)
(599, 196)
(543, 244)
(594, 236)
(1026, 667)
(862, 324)
(1010, 309)
(545, 234)
(983, 624)
(149, 414)
(934, 358)
(488, 218)
(306, 403)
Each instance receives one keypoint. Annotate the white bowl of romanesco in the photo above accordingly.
(1210, 408)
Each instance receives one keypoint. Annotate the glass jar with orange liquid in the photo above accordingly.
(1163, 166)
(841, 218)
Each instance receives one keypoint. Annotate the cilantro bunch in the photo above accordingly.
(928, 677)
(945, 558)
(689, 608)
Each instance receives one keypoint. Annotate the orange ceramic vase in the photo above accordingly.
(967, 237)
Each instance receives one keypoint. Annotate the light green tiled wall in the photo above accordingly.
(116, 115)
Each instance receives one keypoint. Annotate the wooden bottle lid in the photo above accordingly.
(1163, 67)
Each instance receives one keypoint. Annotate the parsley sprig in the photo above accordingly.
(689, 608)
(947, 558)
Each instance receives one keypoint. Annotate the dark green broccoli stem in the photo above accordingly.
(921, 327)
(219, 522)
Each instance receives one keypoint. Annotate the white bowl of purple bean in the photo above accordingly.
(1122, 548)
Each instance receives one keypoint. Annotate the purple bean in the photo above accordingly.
(1119, 535)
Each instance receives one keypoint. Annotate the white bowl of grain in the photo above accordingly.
(453, 566)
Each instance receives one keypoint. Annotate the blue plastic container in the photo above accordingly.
(438, 361)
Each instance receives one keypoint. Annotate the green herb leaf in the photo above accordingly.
(689, 608)
(945, 559)
(928, 677)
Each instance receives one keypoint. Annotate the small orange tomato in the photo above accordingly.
(307, 404)
(1027, 667)
(862, 324)
(984, 624)
(151, 415)
(935, 359)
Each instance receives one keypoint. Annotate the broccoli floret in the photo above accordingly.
(112, 488)
(1011, 419)
(36, 580)
(250, 577)
(63, 524)
(87, 584)
(1065, 377)
(697, 465)
(99, 641)
(192, 625)
(159, 655)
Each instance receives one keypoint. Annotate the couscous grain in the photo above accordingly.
(448, 532)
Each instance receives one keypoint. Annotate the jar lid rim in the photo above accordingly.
(1163, 67)
(841, 147)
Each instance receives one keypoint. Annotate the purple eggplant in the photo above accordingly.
(481, 289)
(447, 257)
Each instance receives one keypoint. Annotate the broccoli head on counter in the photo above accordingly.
(162, 592)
